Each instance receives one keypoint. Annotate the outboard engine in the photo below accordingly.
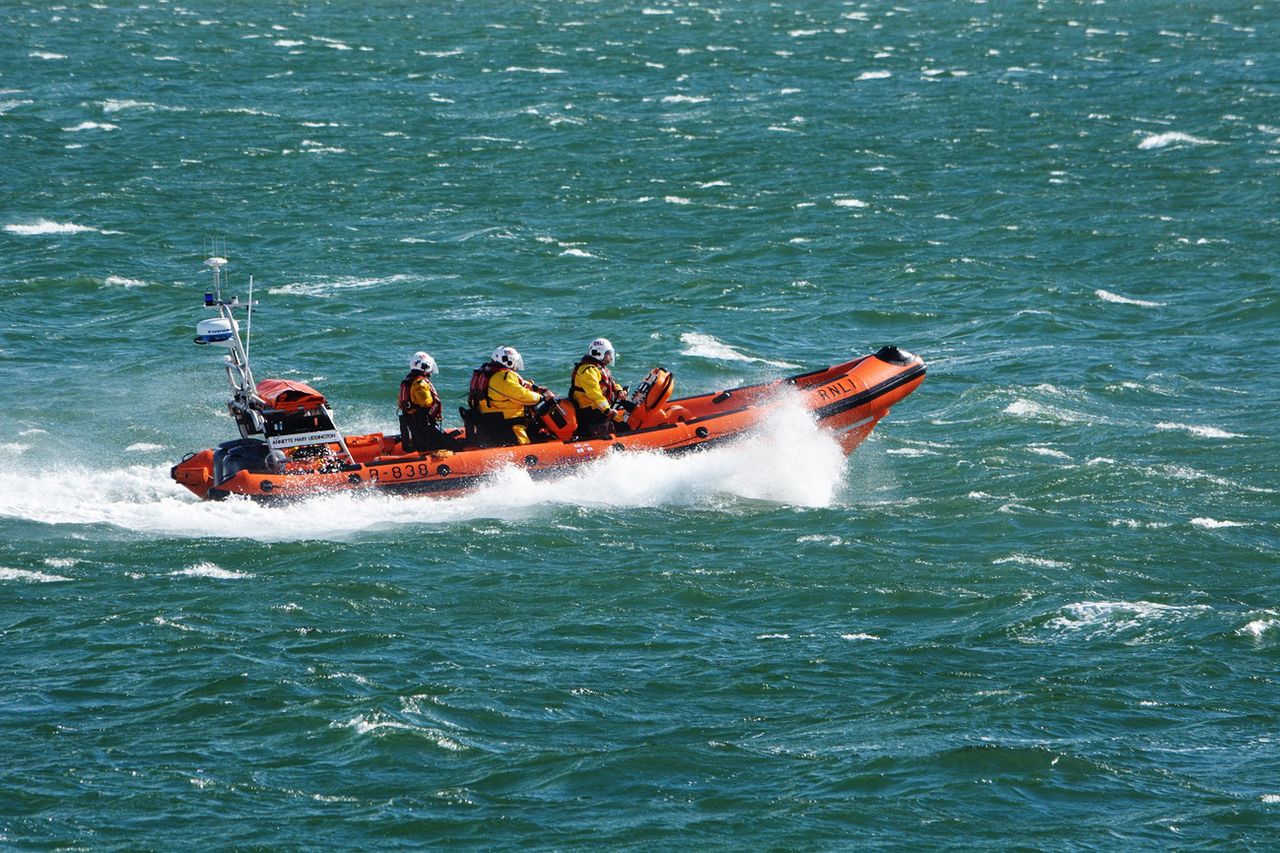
(557, 417)
(650, 398)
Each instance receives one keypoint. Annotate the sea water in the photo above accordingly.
(1039, 607)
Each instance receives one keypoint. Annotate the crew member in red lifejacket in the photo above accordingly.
(599, 402)
(420, 408)
(500, 400)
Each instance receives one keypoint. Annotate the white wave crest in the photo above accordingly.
(1215, 524)
(850, 202)
(114, 106)
(210, 570)
(45, 226)
(789, 461)
(329, 286)
(685, 99)
(29, 576)
(1258, 627)
(1041, 411)
(143, 447)
(1099, 618)
(1202, 431)
(1108, 296)
(92, 125)
(121, 281)
(370, 724)
(706, 346)
(1027, 560)
(1164, 140)
(875, 75)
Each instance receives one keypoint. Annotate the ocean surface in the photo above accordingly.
(1039, 608)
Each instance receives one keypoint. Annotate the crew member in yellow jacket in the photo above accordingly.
(420, 409)
(598, 400)
(500, 400)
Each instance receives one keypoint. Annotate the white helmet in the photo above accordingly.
(508, 357)
(602, 351)
(424, 362)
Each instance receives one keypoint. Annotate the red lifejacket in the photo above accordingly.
(608, 387)
(434, 411)
(480, 383)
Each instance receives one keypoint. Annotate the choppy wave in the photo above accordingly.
(790, 461)
(46, 226)
(1215, 524)
(210, 570)
(706, 346)
(330, 286)
(1164, 140)
(7, 574)
(1093, 619)
(92, 125)
(1202, 431)
(1028, 560)
(121, 281)
(113, 105)
(1108, 296)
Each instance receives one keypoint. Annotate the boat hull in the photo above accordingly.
(847, 399)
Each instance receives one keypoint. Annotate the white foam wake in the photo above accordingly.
(789, 461)
(706, 346)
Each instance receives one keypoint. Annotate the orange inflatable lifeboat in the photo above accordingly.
(290, 445)
(300, 451)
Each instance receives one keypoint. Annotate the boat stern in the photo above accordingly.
(195, 472)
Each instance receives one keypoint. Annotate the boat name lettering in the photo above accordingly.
(835, 390)
(329, 436)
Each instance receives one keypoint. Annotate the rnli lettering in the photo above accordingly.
(835, 390)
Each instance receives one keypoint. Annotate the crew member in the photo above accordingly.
(599, 402)
(500, 400)
(420, 408)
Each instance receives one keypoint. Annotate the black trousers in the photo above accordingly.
(593, 423)
(418, 433)
(493, 430)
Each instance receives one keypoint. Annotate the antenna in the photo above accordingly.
(216, 264)
(248, 330)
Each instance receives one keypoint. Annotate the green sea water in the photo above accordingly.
(1039, 608)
